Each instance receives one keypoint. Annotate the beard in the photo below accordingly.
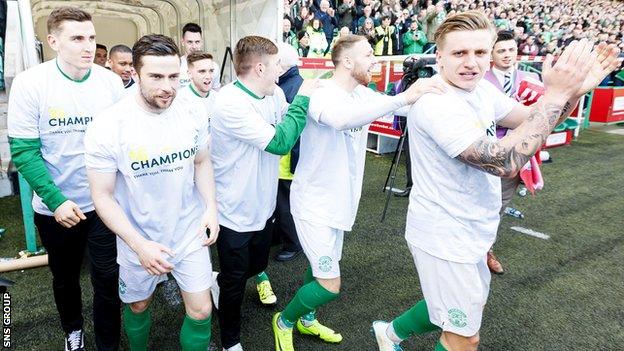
(152, 100)
(361, 75)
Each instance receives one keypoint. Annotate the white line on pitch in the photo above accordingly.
(531, 232)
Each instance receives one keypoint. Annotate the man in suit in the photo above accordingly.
(505, 76)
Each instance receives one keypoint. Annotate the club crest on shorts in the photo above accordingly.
(325, 263)
(457, 318)
(122, 287)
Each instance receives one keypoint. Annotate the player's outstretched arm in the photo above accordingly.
(348, 116)
(566, 81)
(288, 131)
(102, 186)
(204, 180)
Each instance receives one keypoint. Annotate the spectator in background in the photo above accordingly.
(101, 55)
(347, 14)
(343, 31)
(318, 39)
(368, 30)
(374, 7)
(304, 43)
(435, 16)
(367, 13)
(303, 19)
(120, 62)
(383, 37)
(400, 27)
(529, 47)
(288, 36)
(326, 15)
(414, 40)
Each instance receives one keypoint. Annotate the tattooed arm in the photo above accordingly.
(579, 69)
(521, 112)
(505, 157)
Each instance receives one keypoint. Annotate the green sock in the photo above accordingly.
(440, 347)
(414, 321)
(308, 298)
(307, 276)
(195, 334)
(137, 327)
(261, 278)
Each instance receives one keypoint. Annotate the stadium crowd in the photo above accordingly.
(395, 27)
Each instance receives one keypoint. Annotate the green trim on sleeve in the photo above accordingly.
(26, 155)
(287, 132)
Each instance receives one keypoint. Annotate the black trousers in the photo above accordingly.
(241, 256)
(66, 250)
(284, 227)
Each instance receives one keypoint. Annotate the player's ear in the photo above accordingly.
(53, 42)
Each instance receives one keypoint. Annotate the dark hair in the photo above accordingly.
(101, 46)
(191, 27)
(301, 34)
(250, 49)
(119, 48)
(197, 56)
(385, 17)
(505, 35)
(66, 13)
(153, 45)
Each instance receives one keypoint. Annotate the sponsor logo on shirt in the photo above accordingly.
(60, 121)
(141, 161)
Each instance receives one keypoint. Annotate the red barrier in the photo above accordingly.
(607, 105)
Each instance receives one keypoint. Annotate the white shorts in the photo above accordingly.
(193, 274)
(322, 246)
(455, 293)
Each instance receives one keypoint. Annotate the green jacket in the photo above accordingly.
(413, 42)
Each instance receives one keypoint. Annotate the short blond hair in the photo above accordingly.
(464, 21)
(343, 44)
(250, 49)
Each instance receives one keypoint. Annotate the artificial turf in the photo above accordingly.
(565, 293)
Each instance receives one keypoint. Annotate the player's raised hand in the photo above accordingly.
(209, 222)
(308, 87)
(605, 62)
(564, 79)
(151, 257)
(68, 214)
(422, 86)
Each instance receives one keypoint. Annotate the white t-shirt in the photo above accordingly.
(328, 184)
(246, 176)
(184, 76)
(153, 156)
(453, 207)
(188, 93)
(46, 104)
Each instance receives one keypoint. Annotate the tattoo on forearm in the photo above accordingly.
(500, 160)
(567, 109)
